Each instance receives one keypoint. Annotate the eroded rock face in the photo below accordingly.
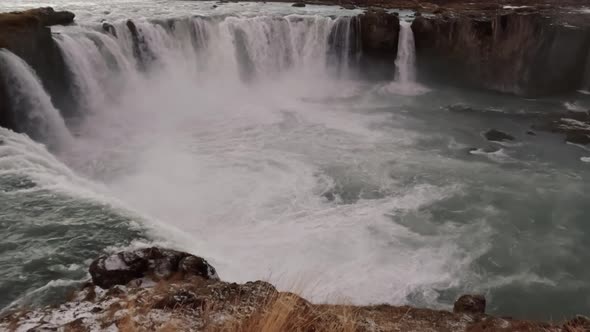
(379, 34)
(470, 304)
(528, 54)
(155, 263)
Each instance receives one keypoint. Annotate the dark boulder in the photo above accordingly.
(575, 126)
(470, 304)
(155, 263)
(298, 4)
(497, 136)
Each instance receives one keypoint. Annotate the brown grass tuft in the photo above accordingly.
(287, 312)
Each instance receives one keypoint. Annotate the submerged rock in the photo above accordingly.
(298, 4)
(497, 136)
(470, 304)
(575, 125)
(158, 264)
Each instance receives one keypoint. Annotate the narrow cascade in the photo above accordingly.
(33, 111)
(405, 63)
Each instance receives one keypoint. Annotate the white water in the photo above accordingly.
(223, 134)
(405, 65)
(35, 110)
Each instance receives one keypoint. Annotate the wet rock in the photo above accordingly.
(141, 51)
(48, 16)
(379, 31)
(348, 6)
(470, 304)
(531, 133)
(578, 137)
(156, 263)
(298, 4)
(529, 54)
(26, 35)
(575, 126)
(110, 29)
(497, 136)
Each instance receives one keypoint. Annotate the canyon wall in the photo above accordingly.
(528, 54)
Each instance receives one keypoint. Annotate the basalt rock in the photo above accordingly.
(379, 34)
(497, 136)
(529, 54)
(27, 35)
(141, 51)
(155, 263)
(470, 304)
(574, 125)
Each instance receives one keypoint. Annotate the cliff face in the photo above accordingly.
(27, 35)
(528, 54)
(379, 34)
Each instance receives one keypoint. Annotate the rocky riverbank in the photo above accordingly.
(157, 289)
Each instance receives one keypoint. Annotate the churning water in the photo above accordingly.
(243, 134)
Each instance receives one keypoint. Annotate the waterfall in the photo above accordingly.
(33, 111)
(234, 48)
(405, 63)
(108, 63)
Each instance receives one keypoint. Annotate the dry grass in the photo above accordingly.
(289, 313)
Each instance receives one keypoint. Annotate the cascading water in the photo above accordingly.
(31, 105)
(405, 64)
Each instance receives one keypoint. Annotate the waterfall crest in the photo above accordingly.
(32, 106)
